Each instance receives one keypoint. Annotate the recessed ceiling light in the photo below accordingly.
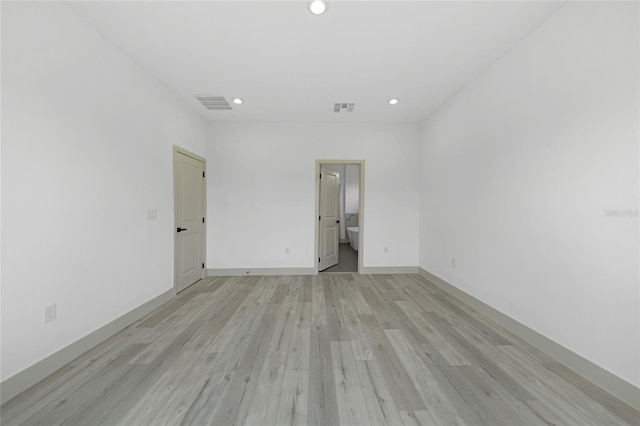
(318, 7)
(237, 101)
(393, 101)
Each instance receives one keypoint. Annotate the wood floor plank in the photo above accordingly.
(336, 326)
(350, 315)
(510, 413)
(446, 405)
(564, 409)
(446, 349)
(68, 379)
(614, 405)
(318, 305)
(285, 320)
(171, 306)
(381, 311)
(362, 350)
(481, 359)
(237, 399)
(263, 410)
(100, 409)
(543, 413)
(315, 350)
(144, 381)
(359, 302)
(418, 418)
(171, 397)
(473, 397)
(90, 390)
(483, 384)
(573, 398)
(226, 321)
(352, 409)
(173, 364)
(307, 292)
(238, 339)
(404, 393)
(206, 404)
(445, 408)
(322, 402)
(406, 324)
(471, 319)
(296, 288)
(382, 410)
(409, 418)
(294, 399)
(300, 341)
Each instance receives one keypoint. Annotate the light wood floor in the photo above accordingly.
(336, 349)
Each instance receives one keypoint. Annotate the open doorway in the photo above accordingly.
(339, 209)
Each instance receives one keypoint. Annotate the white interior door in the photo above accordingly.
(189, 192)
(328, 233)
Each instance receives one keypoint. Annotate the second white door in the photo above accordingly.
(329, 237)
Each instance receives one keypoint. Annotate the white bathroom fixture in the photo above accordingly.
(352, 232)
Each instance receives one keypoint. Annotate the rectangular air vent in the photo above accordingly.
(343, 107)
(214, 103)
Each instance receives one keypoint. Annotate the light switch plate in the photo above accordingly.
(49, 313)
(152, 214)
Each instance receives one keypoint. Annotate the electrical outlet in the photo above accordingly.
(453, 262)
(49, 313)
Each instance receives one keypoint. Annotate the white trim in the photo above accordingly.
(236, 272)
(389, 270)
(28, 377)
(179, 150)
(616, 386)
(360, 210)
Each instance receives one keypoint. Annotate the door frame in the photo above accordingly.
(179, 150)
(360, 210)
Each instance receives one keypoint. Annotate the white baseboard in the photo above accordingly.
(28, 377)
(237, 272)
(608, 381)
(389, 270)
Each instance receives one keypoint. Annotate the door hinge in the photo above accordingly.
(318, 260)
(203, 220)
(203, 266)
(319, 217)
(320, 175)
(203, 174)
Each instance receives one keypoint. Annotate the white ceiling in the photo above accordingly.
(289, 65)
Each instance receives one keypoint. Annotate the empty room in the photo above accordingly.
(320, 213)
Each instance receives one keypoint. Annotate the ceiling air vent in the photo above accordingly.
(214, 103)
(343, 107)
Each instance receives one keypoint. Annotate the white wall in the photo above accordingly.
(261, 191)
(517, 171)
(352, 190)
(87, 141)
